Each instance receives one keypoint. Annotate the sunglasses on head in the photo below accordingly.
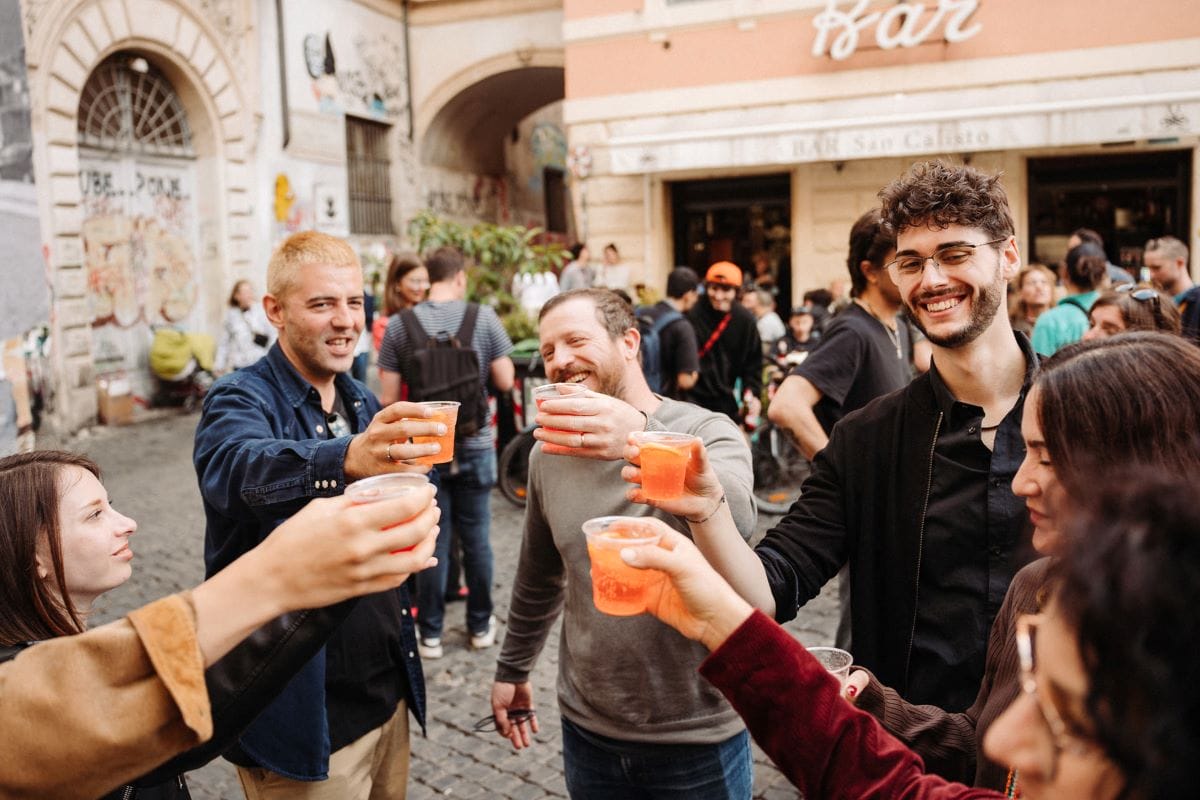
(1144, 294)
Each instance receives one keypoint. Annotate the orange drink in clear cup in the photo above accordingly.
(446, 412)
(664, 458)
(385, 487)
(617, 588)
(553, 390)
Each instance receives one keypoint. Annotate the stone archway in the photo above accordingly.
(64, 49)
(463, 125)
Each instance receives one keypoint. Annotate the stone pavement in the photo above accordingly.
(148, 474)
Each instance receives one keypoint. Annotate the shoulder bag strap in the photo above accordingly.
(417, 337)
(716, 334)
(466, 331)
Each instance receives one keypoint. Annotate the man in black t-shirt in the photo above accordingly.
(865, 352)
(677, 341)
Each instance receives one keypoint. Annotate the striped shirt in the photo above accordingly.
(444, 319)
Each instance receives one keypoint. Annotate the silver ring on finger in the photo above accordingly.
(582, 440)
(389, 452)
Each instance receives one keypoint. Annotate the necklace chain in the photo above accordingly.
(893, 333)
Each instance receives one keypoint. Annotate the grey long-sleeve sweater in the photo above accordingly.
(628, 678)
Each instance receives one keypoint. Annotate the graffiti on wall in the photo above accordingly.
(371, 79)
(469, 197)
(549, 146)
(139, 259)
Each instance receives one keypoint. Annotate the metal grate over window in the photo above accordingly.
(129, 106)
(368, 169)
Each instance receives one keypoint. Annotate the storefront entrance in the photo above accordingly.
(734, 220)
(1127, 198)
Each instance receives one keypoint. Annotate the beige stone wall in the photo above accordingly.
(203, 51)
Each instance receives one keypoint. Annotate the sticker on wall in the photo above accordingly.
(329, 209)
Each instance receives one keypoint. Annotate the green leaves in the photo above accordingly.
(498, 253)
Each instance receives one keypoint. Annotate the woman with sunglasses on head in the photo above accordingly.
(1132, 308)
(84, 712)
(1083, 270)
(1094, 408)
(1108, 696)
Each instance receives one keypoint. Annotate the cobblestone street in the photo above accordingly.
(148, 473)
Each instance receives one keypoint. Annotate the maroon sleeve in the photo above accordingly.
(825, 746)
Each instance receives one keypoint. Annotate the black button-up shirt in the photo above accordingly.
(971, 549)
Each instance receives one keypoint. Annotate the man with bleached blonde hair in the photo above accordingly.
(288, 428)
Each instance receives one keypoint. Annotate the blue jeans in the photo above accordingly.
(599, 768)
(465, 499)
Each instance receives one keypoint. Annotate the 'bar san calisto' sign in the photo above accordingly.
(901, 25)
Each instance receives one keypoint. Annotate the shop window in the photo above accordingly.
(128, 106)
(368, 170)
(1127, 198)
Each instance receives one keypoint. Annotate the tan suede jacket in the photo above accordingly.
(81, 715)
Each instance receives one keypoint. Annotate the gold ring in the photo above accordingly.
(389, 452)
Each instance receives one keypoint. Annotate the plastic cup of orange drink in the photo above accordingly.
(664, 458)
(617, 588)
(446, 412)
(550, 391)
(386, 487)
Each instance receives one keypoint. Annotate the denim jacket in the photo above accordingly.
(261, 453)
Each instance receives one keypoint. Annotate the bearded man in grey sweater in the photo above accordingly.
(637, 720)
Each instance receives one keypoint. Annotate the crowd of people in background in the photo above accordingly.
(1001, 458)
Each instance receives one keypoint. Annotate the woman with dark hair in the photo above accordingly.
(246, 335)
(1132, 308)
(1107, 702)
(407, 284)
(1033, 295)
(1095, 408)
(1082, 273)
(81, 718)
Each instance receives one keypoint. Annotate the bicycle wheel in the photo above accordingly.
(779, 469)
(514, 467)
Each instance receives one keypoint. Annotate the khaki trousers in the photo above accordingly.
(372, 767)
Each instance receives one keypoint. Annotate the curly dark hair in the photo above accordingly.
(937, 194)
(1129, 586)
(1107, 404)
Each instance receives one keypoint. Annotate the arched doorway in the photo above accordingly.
(139, 228)
(492, 145)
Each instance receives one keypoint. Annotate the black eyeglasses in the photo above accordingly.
(947, 259)
(515, 717)
(1144, 295)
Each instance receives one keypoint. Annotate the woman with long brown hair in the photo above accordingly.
(122, 701)
(407, 284)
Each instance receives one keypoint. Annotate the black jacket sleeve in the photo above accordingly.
(249, 677)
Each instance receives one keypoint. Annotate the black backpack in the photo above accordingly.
(651, 329)
(447, 368)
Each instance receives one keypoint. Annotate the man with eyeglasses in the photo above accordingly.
(730, 347)
(1166, 258)
(914, 490)
(272, 436)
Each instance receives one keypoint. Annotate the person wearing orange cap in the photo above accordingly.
(730, 347)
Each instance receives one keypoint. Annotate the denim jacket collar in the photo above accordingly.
(297, 390)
